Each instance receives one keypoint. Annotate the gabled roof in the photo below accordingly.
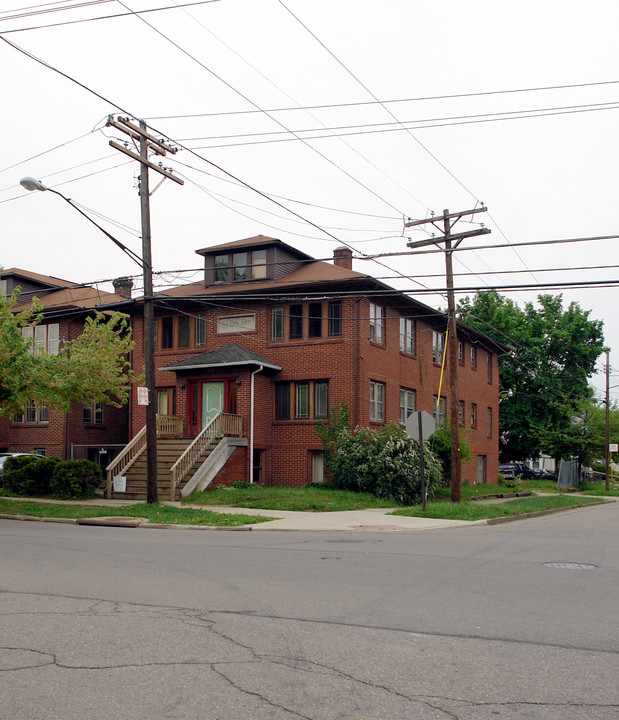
(256, 241)
(228, 355)
(71, 298)
(48, 280)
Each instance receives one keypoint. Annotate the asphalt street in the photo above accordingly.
(508, 621)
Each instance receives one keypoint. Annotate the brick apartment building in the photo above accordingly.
(278, 338)
(95, 431)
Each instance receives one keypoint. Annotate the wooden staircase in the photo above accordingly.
(168, 452)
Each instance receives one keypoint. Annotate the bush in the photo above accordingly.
(29, 475)
(382, 462)
(441, 445)
(75, 479)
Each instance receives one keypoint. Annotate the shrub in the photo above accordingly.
(382, 462)
(29, 475)
(441, 445)
(75, 479)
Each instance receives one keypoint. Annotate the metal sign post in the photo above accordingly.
(419, 425)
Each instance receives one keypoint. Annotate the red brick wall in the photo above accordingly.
(349, 363)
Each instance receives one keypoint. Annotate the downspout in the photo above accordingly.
(356, 416)
(251, 425)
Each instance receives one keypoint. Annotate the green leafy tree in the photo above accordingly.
(553, 355)
(93, 367)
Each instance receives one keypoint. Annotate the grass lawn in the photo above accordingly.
(478, 511)
(311, 499)
(600, 489)
(154, 512)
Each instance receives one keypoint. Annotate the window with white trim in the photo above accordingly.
(407, 336)
(377, 401)
(407, 403)
(438, 406)
(438, 347)
(43, 338)
(377, 323)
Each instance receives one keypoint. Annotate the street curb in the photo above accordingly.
(537, 513)
(34, 518)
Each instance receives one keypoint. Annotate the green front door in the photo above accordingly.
(212, 400)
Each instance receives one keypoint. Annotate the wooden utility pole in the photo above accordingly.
(451, 242)
(146, 143)
(607, 427)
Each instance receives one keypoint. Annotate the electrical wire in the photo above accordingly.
(371, 103)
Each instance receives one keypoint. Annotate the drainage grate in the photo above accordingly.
(570, 566)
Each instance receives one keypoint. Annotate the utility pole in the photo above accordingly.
(146, 142)
(451, 241)
(607, 429)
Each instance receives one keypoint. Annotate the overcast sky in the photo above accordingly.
(237, 84)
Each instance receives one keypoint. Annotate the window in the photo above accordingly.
(473, 415)
(167, 332)
(183, 331)
(166, 401)
(407, 404)
(200, 333)
(221, 268)
(310, 397)
(489, 422)
(282, 401)
(315, 320)
(461, 416)
(258, 264)
(377, 401)
(295, 331)
(244, 266)
(321, 399)
(317, 466)
(43, 338)
(489, 367)
(438, 405)
(239, 262)
(32, 414)
(277, 323)
(335, 318)
(377, 323)
(473, 358)
(461, 352)
(438, 347)
(407, 336)
(92, 413)
(301, 401)
(4, 290)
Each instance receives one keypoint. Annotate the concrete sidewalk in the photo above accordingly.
(373, 519)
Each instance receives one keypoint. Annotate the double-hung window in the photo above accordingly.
(377, 401)
(277, 323)
(439, 410)
(407, 336)
(438, 347)
(377, 323)
(407, 404)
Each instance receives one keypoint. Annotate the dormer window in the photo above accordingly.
(240, 266)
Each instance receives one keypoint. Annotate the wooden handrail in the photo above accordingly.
(166, 425)
(222, 424)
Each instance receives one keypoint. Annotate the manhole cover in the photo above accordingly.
(570, 566)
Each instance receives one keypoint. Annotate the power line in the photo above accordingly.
(106, 17)
(370, 103)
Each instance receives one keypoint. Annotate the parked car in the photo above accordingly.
(6, 455)
(509, 471)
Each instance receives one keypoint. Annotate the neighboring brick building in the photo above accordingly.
(279, 338)
(95, 431)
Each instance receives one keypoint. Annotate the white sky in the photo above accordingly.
(541, 178)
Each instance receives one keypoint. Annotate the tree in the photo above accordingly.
(553, 354)
(93, 367)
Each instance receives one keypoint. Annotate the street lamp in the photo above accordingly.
(30, 183)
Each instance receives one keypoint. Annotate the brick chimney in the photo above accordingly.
(123, 286)
(342, 257)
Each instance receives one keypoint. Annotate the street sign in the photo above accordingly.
(613, 447)
(428, 425)
(142, 396)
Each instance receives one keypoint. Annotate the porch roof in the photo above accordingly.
(228, 355)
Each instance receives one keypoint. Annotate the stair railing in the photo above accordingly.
(166, 425)
(222, 424)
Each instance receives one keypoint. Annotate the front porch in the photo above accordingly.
(184, 463)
